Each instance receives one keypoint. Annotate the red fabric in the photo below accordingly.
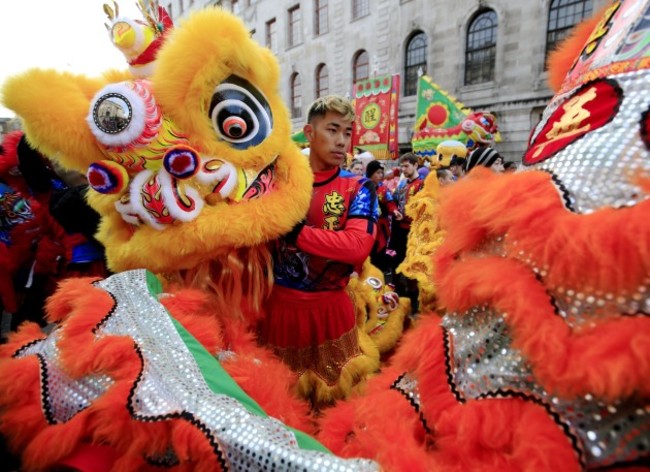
(337, 237)
(23, 235)
(592, 107)
(387, 207)
(9, 163)
(91, 458)
(299, 319)
(351, 244)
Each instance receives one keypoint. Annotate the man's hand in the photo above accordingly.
(398, 216)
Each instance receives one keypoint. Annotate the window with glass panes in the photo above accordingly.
(320, 17)
(360, 8)
(271, 35)
(562, 16)
(414, 60)
(296, 96)
(294, 25)
(481, 47)
(322, 81)
(361, 66)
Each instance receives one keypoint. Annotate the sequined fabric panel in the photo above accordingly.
(577, 306)
(483, 364)
(326, 360)
(407, 385)
(61, 396)
(584, 305)
(171, 384)
(598, 169)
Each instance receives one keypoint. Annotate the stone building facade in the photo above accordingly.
(489, 54)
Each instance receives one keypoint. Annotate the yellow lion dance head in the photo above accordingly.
(186, 165)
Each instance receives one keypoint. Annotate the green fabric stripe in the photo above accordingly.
(218, 379)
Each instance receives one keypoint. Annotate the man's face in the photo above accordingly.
(329, 138)
(378, 176)
(357, 169)
(497, 165)
(409, 170)
(447, 178)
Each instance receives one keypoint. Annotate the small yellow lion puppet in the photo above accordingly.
(381, 312)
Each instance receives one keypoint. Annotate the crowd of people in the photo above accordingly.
(47, 231)
(396, 186)
(358, 210)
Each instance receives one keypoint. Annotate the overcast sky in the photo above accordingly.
(67, 35)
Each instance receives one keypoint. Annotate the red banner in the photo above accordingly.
(376, 103)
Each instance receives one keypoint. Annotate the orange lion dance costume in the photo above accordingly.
(192, 168)
(541, 361)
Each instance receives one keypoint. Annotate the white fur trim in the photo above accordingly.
(176, 212)
(135, 188)
(143, 71)
(138, 116)
(226, 171)
(127, 212)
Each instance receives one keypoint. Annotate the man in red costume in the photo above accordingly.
(310, 319)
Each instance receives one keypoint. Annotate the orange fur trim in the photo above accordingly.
(59, 305)
(81, 307)
(561, 248)
(562, 58)
(607, 358)
(381, 427)
(504, 434)
(252, 372)
(192, 309)
(601, 251)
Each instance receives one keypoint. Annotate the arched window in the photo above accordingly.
(414, 59)
(481, 47)
(296, 95)
(322, 81)
(361, 66)
(562, 16)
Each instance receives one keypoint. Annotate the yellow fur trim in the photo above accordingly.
(358, 368)
(424, 238)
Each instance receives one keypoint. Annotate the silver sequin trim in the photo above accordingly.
(172, 384)
(597, 169)
(484, 364)
(62, 396)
